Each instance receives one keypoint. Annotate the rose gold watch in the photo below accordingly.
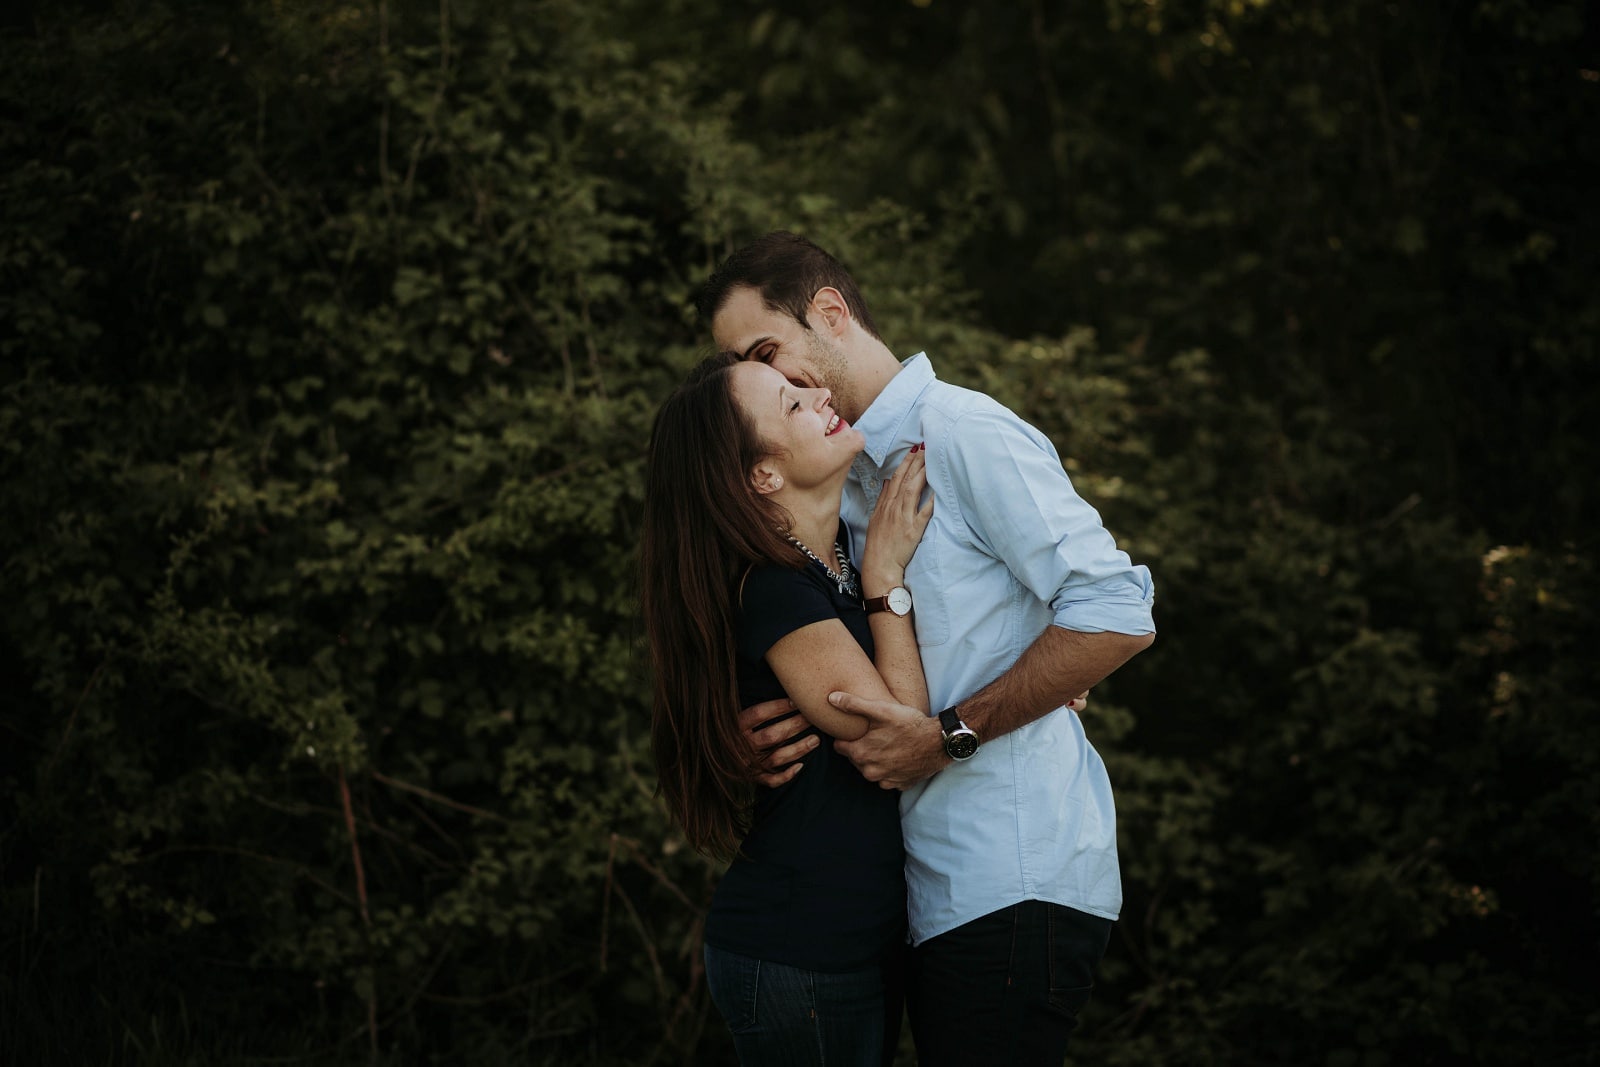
(897, 600)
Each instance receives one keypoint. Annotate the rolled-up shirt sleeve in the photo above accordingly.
(1021, 508)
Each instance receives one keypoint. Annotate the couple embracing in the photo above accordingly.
(868, 596)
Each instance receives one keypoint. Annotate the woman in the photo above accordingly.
(749, 595)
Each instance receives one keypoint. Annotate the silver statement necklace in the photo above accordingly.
(844, 578)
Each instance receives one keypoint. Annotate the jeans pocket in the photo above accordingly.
(1068, 1001)
(1077, 941)
(734, 982)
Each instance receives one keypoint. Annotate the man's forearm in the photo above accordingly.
(902, 746)
(1058, 666)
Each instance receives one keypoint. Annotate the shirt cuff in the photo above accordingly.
(1100, 615)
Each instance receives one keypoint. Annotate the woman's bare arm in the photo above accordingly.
(810, 660)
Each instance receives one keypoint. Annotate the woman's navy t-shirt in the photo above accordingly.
(819, 881)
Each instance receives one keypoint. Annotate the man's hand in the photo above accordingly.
(772, 743)
(901, 747)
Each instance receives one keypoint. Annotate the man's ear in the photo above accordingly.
(765, 478)
(829, 312)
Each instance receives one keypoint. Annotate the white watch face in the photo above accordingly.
(900, 600)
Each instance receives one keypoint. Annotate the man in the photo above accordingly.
(1021, 600)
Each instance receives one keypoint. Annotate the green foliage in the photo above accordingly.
(331, 336)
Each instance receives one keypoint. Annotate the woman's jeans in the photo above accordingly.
(782, 1016)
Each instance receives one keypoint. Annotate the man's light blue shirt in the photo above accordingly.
(1011, 549)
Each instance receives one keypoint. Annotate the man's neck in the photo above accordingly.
(874, 367)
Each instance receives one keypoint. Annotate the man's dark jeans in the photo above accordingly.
(1005, 988)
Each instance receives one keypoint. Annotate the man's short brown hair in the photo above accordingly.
(787, 270)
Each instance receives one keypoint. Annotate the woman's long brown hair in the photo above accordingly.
(704, 525)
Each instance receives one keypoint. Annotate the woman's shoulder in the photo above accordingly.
(766, 582)
(777, 600)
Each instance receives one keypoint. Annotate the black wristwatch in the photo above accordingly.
(960, 743)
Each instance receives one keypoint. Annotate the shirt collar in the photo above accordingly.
(885, 418)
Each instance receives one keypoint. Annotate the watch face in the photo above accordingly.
(961, 745)
(900, 600)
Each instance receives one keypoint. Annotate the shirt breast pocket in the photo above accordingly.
(929, 610)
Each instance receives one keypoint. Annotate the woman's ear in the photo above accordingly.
(765, 478)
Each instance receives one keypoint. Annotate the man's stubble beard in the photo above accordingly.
(831, 368)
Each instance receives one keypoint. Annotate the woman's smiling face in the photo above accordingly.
(809, 441)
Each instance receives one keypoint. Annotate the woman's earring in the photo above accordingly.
(766, 480)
